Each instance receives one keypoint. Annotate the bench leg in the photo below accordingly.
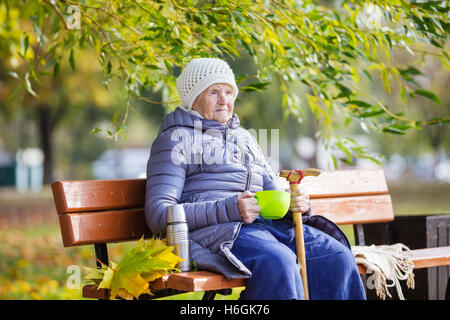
(101, 252)
(210, 295)
(447, 290)
(358, 230)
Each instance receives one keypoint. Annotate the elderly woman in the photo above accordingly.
(204, 160)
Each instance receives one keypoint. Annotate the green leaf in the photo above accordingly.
(396, 128)
(348, 121)
(13, 74)
(108, 276)
(198, 20)
(249, 49)
(385, 75)
(15, 91)
(114, 119)
(24, 43)
(55, 70)
(94, 273)
(391, 130)
(436, 44)
(445, 62)
(371, 113)
(176, 49)
(28, 85)
(152, 67)
(360, 103)
(367, 74)
(257, 86)
(409, 71)
(401, 126)
(95, 130)
(435, 121)
(147, 261)
(335, 162)
(403, 94)
(428, 94)
(168, 65)
(345, 92)
(371, 158)
(388, 39)
(72, 60)
(446, 55)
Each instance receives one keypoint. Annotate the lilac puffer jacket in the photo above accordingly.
(204, 165)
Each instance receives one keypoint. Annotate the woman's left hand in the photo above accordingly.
(299, 201)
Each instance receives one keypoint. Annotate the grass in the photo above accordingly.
(34, 264)
(412, 198)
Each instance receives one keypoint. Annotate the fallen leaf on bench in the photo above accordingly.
(108, 276)
(147, 261)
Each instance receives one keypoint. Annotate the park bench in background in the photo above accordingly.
(106, 211)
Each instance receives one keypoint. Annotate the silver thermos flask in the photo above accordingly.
(177, 234)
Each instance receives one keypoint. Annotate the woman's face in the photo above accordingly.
(216, 102)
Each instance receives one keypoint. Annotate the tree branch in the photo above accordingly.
(58, 12)
(106, 12)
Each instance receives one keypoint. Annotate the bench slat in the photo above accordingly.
(353, 210)
(91, 291)
(343, 183)
(125, 225)
(183, 281)
(205, 280)
(103, 227)
(425, 258)
(98, 195)
(431, 257)
(201, 281)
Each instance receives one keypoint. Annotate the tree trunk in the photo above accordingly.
(436, 136)
(46, 127)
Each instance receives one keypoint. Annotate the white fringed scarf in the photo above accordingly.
(386, 263)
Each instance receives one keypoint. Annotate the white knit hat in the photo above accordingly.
(199, 74)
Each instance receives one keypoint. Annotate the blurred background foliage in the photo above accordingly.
(346, 83)
(330, 70)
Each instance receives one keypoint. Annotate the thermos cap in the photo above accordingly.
(175, 213)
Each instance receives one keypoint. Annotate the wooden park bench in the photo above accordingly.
(99, 212)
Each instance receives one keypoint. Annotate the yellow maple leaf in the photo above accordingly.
(133, 283)
(147, 261)
(169, 256)
(153, 275)
(108, 276)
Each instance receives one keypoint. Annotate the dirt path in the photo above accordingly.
(25, 210)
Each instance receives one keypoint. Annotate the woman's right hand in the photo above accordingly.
(248, 206)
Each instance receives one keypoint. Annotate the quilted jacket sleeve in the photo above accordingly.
(166, 175)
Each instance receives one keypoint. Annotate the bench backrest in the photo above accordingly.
(103, 211)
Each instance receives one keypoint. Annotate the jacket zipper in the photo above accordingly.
(247, 183)
(225, 252)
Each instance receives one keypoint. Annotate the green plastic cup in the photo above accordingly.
(274, 203)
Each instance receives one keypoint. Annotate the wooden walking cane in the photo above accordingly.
(295, 177)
